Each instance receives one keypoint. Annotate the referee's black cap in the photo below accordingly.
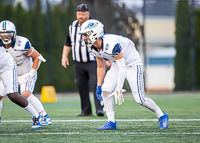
(82, 7)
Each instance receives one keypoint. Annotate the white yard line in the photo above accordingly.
(111, 133)
(121, 120)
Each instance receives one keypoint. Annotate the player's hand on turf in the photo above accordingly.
(98, 93)
(118, 96)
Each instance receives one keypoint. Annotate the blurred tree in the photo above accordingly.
(22, 15)
(45, 30)
(58, 36)
(117, 20)
(47, 33)
(68, 16)
(38, 39)
(197, 47)
(1, 10)
(182, 59)
(8, 13)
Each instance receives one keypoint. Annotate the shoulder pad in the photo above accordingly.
(22, 44)
(117, 49)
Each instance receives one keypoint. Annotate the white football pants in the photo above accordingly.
(8, 80)
(134, 76)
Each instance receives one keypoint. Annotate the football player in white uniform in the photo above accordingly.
(23, 53)
(126, 63)
(8, 76)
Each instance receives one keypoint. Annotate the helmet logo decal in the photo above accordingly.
(91, 25)
(107, 46)
(19, 43)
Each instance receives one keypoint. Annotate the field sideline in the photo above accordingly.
(136, 120)
(135, 123)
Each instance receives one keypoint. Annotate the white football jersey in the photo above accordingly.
(18, 50)
(111, 47)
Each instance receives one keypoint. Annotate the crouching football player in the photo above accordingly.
(126, 63)
(23, 53)
(8, 76)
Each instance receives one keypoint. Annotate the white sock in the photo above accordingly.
(151, 105)
(111, 116)
(36, 104)
(31, 110)
(1, 106)
(109, 106)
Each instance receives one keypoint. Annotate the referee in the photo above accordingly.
(85, 65)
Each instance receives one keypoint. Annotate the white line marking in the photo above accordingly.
(120, 120)
(111, 133)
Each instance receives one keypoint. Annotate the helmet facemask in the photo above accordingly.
(7, 32)
(7, 37)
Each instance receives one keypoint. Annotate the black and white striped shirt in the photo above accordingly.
(74, 40)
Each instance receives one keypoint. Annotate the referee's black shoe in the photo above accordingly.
(100, 113)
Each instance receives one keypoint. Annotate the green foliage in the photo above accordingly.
(183, 42)
(38, 35)
(182, 58)
(8, 13)
(66, 82)
(1, 10)
(197, 47)
(47, 33)
(69, 14)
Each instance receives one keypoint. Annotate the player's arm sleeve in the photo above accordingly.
(122, 72)
(100, 71)
(121, 64)
(38, 58)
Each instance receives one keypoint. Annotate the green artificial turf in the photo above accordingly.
(135, 123)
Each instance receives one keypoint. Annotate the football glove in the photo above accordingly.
(98, 93)
(26, 79)
(118, 96)
(32, 72)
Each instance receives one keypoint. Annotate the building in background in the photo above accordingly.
(160, 69)
(160, 40)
